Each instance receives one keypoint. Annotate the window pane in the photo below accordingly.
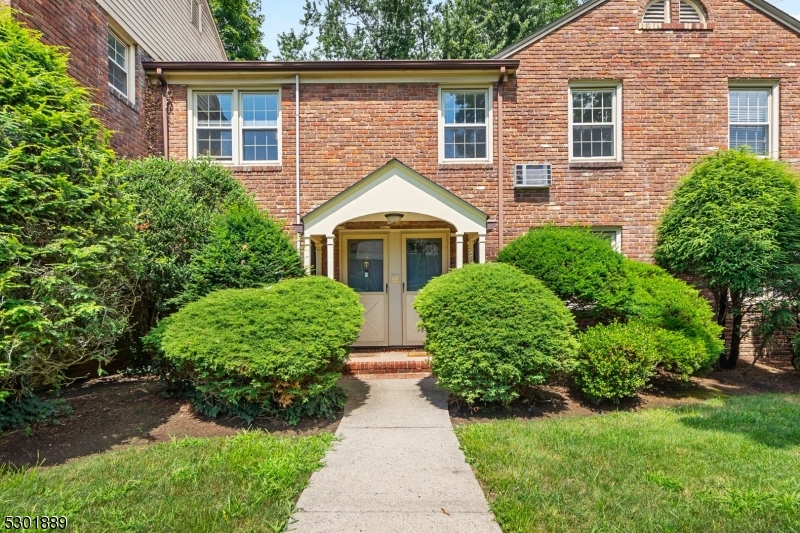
(259, 110)
(117, 77)
(593, 141)
(465, 107)
(465, 143)
(365, 265)
(423, 262)
(117, 51)
(214, 109)
(260, 145)
(592, 107)
(215, 143)
(754, 137)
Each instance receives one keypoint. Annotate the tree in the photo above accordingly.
(239, 24)
(734, 224)
(477, 29)
(361, 29)
(68, 250)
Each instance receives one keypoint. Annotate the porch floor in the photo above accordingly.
(414, 361)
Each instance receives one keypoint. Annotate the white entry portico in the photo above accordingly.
(358, 234)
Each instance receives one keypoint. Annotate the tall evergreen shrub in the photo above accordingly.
(67, 246)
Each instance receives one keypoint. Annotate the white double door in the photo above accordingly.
(388, 269)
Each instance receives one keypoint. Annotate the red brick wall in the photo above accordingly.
(82, 27)
(674, 94)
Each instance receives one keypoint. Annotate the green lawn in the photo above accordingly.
(244, 483)
(729, 465)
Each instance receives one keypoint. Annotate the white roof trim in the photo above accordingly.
(759, 5)
(394, 188)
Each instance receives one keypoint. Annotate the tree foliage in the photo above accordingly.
(734, 224)
(361, 29)
(478, 29)
(67, 240)
(415, 29)
(239, 25)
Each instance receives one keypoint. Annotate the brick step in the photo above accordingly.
(418, 366)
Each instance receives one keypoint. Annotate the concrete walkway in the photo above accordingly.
(397, 467)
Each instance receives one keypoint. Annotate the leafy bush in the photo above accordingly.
(246, 248)
(691, 341)
(276, 351)
(31, 409)
(493, 331)
(176, 202)
(581, 268)
(615, 361)
(67, 240)
(734, 224)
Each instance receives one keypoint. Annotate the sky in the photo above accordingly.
(283, 15)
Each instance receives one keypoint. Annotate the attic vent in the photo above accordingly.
(533, 175)
(656, 13)
(690, 13)
(195, 13)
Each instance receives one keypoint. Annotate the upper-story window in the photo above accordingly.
(237, 126)
(690, 12)
(752, 119)
(465, 133)
(656, 12)
(119, 65)
(595, 116)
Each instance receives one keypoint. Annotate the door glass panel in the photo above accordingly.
(423, 261)
(365, 265)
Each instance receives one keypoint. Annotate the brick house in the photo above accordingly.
(110, 39)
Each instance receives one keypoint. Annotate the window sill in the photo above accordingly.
(705, 26)
(122, 98)
(255, 168)
(595, 164)
(459, 165)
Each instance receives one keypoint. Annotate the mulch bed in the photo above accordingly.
(116, 411)
(769, 375)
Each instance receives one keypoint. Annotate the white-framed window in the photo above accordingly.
(753, 117)
(465, 125)
(239, 127)
(612, 235)
(121, 66)
(595, 121)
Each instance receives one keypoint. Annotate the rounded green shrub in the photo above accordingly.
(615, 361)
(246, 248)
(691, 340)
(581, 268)
(277, 350)
(493, 331)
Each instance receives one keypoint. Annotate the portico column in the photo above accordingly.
(329, 242)
(318, 258)
(459, 250)
(481, 248)
(307, 253)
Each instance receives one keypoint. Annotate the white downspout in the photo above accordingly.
(297, 154)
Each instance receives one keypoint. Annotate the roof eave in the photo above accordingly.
(334, 66)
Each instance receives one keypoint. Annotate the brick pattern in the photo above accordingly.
(675, 95)
(82, 27)
(421, 366)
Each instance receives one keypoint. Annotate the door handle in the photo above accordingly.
(387, 288)
(404, 286)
